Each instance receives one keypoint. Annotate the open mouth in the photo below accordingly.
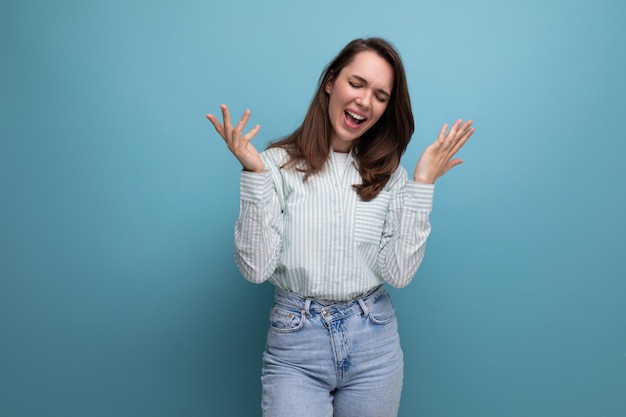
(355, 118)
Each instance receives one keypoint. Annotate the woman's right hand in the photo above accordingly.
(238, 143)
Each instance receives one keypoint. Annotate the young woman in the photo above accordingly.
(329, 215)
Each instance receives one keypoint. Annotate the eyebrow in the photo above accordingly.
(363, 80)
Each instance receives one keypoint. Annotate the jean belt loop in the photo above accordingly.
(307, 307)
(364, 307)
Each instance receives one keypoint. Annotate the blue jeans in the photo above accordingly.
(330, 359)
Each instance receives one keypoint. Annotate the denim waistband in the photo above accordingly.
(308, 304)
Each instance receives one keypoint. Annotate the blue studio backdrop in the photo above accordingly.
(119, 295)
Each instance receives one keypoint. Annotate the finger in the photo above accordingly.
(455, 128)
(252, 133)
(242, 122)
(451, 164)
(456, 133)
(446, 139)
(466, 130)
(442, 132)
(465, 127)
(462, 140)
(226, 115)
(216, 124)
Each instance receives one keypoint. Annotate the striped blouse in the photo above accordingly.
(319, 239)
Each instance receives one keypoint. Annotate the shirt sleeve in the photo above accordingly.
(406, 229)
(258, 230)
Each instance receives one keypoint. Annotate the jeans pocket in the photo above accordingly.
(382, 311)
(286, 319)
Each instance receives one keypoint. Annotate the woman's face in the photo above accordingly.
(358, 97)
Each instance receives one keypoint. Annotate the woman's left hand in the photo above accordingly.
(437, 158)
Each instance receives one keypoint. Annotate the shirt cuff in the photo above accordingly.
(255, 187)
(419, 196)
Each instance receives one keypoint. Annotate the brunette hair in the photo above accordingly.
(378, 150)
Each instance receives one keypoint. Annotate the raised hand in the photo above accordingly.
(238, 143)
(437, 157)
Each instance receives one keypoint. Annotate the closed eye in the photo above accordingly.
(381, 95)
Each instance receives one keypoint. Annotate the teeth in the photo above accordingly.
(356, 116)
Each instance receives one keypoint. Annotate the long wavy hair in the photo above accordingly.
(378, 151)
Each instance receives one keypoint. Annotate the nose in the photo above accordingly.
(364, 99)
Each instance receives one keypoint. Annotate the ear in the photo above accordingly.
(329, 84)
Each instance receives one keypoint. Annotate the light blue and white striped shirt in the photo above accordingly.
(319, 239)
